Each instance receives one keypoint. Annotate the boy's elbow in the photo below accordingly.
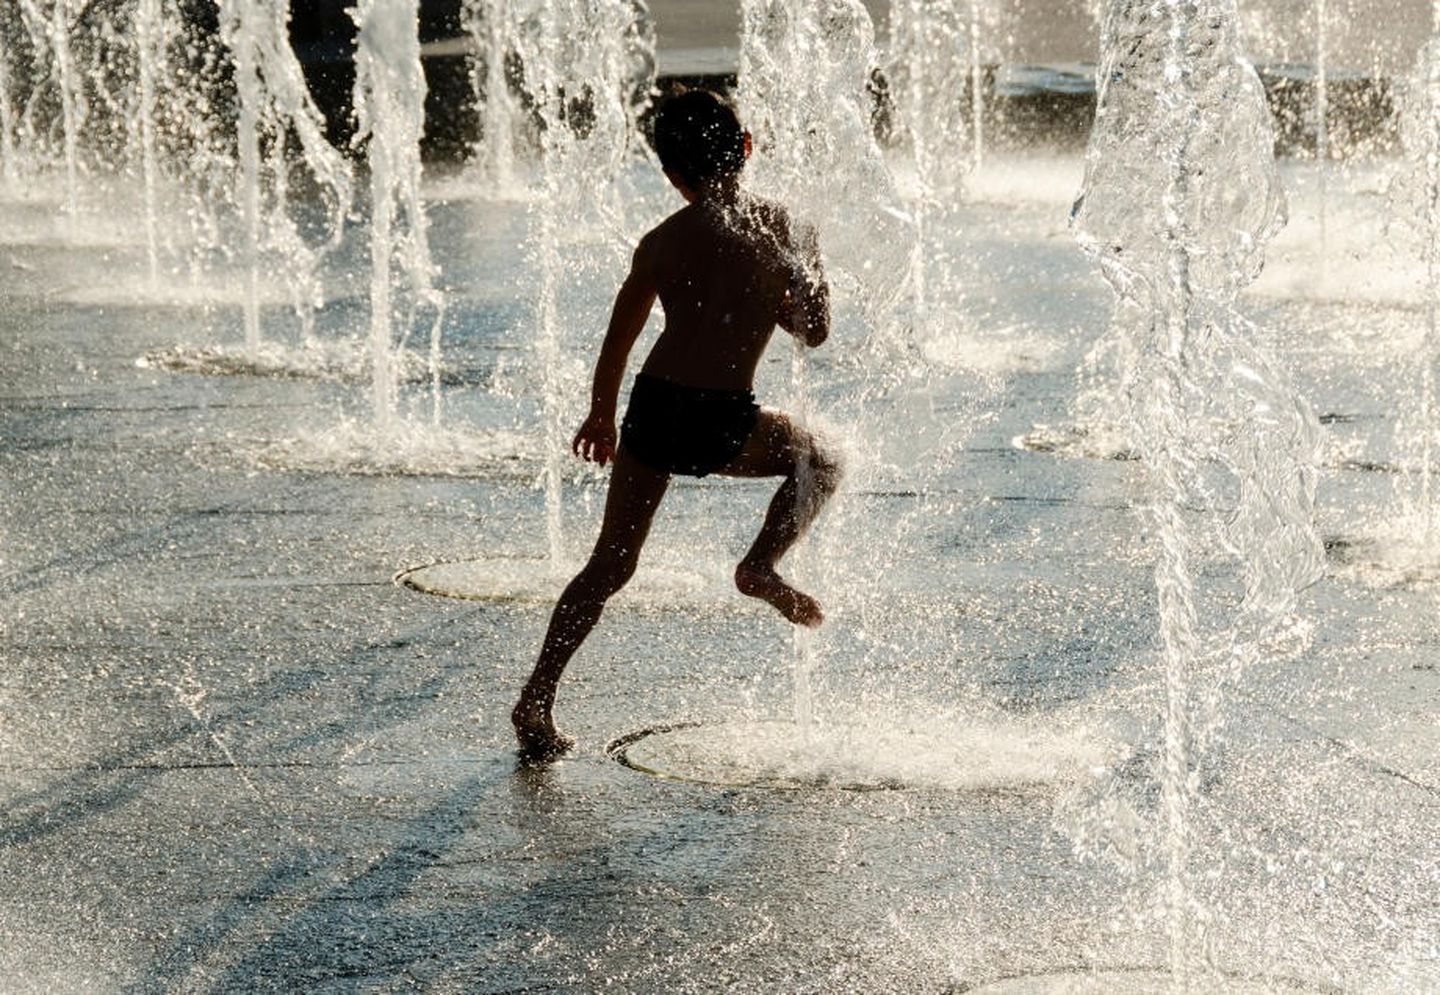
(817, 329)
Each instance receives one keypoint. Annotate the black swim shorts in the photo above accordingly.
(688, 430)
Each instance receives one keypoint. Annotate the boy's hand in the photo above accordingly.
(804, 311)
(596, 440)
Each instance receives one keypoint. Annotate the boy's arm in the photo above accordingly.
(597, 438)
(805, 311)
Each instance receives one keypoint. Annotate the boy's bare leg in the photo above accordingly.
(634, 494)
(779, 447)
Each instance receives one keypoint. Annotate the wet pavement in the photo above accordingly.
(236, 756)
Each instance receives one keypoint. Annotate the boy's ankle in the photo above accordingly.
(529, 711)
(752, 577)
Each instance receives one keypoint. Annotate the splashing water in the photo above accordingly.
(936, 73)
(930, 65)
(589, 68)
(547, 256)
(239, 25)
(931, 62)
(275, 103)
(146, 97)
(588, 86)
(7, 117)
(805, 92)
(492, 25)
(1180, 196)
(51, 29)
(1404, 546)
(1322, 121)
(150, 78)
(978, 11)
(150, 43)
(805, 70)
(1416, 201)
(390, 111)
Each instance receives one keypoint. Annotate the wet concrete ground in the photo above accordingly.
(234, 756)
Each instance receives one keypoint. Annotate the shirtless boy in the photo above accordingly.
(727, 268)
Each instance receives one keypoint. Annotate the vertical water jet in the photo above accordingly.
(931, 60)
(150, 45)
(240, 36)
(977, 88)
(1180, 197)
(8, 167)
(589, 69)
(806, 73)
(547, 256)
(493, 26)
(1322, 121)
(1427, 114)
(390, 114)
(51, 29)
(1416, 203)
(277, 116)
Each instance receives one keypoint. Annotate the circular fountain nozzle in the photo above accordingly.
(1141, 981)
(863, 755)
(540, 580)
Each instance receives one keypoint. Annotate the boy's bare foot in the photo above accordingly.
(764, 583)
(535, 730)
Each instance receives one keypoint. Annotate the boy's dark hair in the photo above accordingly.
(698, 137)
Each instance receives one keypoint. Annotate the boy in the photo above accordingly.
(727, 268)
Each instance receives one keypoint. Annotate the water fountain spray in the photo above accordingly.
(806, 72)
(493, 24)
(8, 170)
(589, 76)
(390, 111)
(1428, 92)
(150, 43)
(275, 104)
(1180, 196)
(977, 85)
(52, 29)
(1416, 202)
(805, 75)
(247, 83)
(931, 63)
(553, 148)
(1322, 120)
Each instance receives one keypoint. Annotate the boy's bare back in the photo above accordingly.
(725, 275)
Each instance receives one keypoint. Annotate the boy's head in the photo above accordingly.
(699, 139)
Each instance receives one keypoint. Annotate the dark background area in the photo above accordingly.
(323, 35)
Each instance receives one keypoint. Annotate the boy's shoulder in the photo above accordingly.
(760, 219)
(650, 243)
(678, 225)
(666, 226)
(753, 214)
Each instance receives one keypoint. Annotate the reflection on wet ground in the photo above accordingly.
(238, 757)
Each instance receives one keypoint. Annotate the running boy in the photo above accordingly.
(727, 269)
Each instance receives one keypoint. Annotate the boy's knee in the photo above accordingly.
(826, 468)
